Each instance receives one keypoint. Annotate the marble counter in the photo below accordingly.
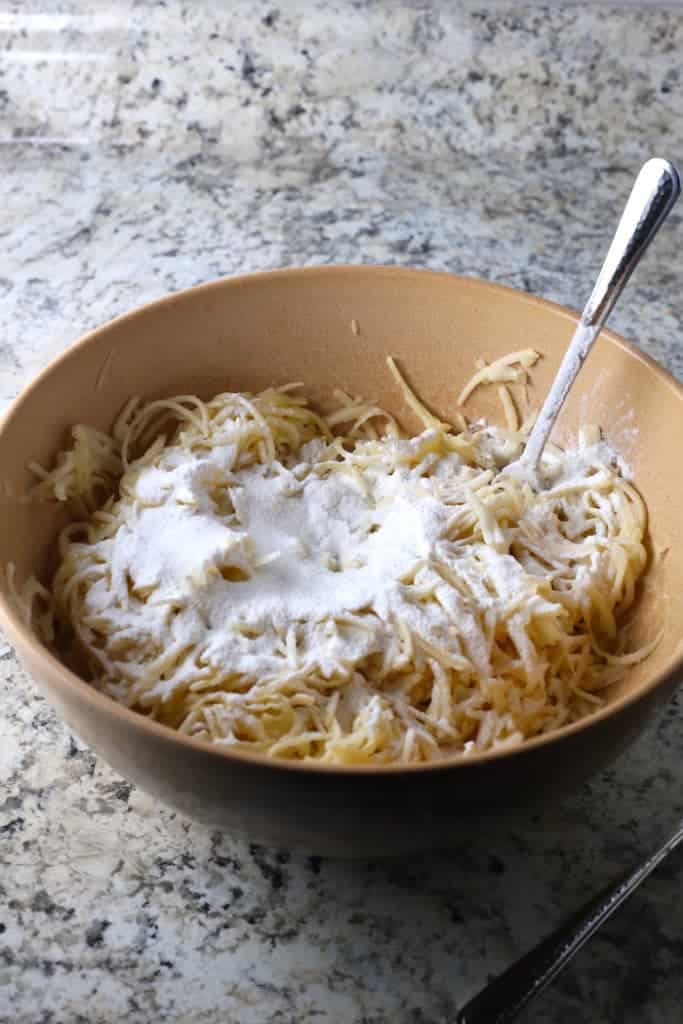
(149, 146)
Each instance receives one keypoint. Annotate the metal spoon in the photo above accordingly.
(505, 997)
(654, 193)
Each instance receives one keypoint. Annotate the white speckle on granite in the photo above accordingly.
(10, 756)
(148, 146)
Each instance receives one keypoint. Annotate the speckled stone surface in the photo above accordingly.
(150, 146)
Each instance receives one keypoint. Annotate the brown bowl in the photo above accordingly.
(333, 327)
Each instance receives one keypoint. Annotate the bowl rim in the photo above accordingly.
(20, 635)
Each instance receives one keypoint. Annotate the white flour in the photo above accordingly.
(297, 546)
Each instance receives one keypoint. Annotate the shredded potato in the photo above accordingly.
(502, 371)
(466, 663)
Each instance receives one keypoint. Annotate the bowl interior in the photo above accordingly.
(333, 327)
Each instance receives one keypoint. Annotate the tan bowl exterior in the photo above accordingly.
(333, 327)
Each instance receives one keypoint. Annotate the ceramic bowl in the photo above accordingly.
(332, 327)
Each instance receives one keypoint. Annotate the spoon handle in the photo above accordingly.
(655, 191)
(505, 997)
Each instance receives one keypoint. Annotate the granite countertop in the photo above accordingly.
(147, 146)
